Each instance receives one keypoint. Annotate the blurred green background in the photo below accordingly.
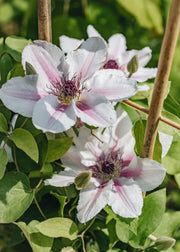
(141, 21)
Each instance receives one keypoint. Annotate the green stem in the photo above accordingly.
(37, 204)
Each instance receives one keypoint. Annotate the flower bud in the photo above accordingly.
(132, 66)
(29, 69)
(67, 249)
(164, 243)
(82, 180)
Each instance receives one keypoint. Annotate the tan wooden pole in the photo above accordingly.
(164, 67)
(44, 20)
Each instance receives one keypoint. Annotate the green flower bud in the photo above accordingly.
(29, 69)
(164, 243)
(132, 66)
(82, 180)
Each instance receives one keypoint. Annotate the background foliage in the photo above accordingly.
(143, 23)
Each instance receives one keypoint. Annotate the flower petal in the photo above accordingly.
(125, 198)
(166, 141)
(69, 44)
(20, 94)
(143, 74)
(92, 200)
(92, 32)
(95, 109)
(54, 51)
(42, 62)
(147, 173)
(112, 84)
(122, 135)
(87, 59)
(116, 46)
(50, 115)
(64, 178)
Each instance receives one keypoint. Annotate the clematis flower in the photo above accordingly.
(118, 56)
(118, 176)
(66, 88)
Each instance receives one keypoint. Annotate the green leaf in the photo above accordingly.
(15, 196)
(16, 71)
(15, 46)
(152, 213)
(167, 129)
(57, 148)
(58, 227)
(6, 64)
(3, 123)
(172, 159)
(169, 224)
(25, 141)
(3, 162)
(37, 241)
(177, 178)
(138, 131)
(147, 13)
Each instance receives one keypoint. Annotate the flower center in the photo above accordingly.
(107, 167)
(66, 90)
(111, 64)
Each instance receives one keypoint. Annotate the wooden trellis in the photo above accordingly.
(164, 67)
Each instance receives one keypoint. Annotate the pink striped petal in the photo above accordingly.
(112, 84)
(87, 59)
(50, 116)
(125, 198)
(21, 93)
(42, 62)
(92, 200)
(95, 109)
(147, 173)
(143, 74)
(116, 46)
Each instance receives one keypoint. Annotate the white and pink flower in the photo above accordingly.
(66, 88)
(117, 55)
(118, 176)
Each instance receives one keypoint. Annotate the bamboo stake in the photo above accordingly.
(146, 111)
(164, 67)
(44, 20)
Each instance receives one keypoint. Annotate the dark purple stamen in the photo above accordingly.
(107, 167)
(69, 88)
(111, 64)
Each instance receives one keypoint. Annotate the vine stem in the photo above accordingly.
(44, 20)
(164, 67)
(146, 111)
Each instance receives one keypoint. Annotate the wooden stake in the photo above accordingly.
(164, 67)
(44, 20)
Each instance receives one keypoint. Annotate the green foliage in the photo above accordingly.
(57, 148)
(26, 142)
(15, 196)
(37, 241)
(3, 123)
(3, 163)
(58, 227)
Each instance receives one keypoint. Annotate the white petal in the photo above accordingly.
(122, 134)
(92, 32)
(95, 109)
(143, 74)
(20, 94)
(87, 59)
(50, 115)
(144, 87)
(92, 200)
(116, 46)
(147, 173)
(69, 44)
(112, 84)
(42, 62)
(64, 178)
(53, 50)
(166, 141)
(125, 198)
(72, 160)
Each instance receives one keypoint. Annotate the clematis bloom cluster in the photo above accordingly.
(65, 88)
(118, 176)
